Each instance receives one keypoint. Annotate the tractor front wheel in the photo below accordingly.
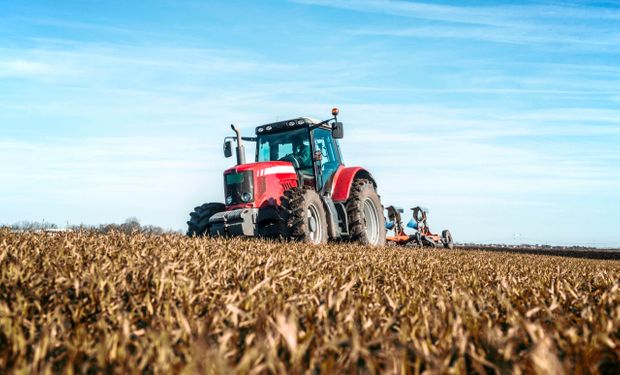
(306, 220)
(198, 224)
(365, 213)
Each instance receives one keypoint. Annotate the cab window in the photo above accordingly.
(285, 146)
(325, 143)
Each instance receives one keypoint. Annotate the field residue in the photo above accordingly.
(165, 303)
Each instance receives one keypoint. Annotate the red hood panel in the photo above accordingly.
(269, 167)
(271, 180)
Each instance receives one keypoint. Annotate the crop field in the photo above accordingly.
(90, 303)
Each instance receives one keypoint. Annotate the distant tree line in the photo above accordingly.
(32, 225)
(131, 225)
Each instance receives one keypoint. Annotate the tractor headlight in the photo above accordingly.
(246, 197)
(228, 200)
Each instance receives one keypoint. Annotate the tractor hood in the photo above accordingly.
(264, 168)
(258, 184)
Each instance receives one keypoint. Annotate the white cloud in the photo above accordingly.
(495, 15)
(25, 68)
(521, 24)
(499, 35)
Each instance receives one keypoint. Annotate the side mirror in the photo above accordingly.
(337, 130)
(227, 149)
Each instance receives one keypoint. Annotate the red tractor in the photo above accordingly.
(298, 189)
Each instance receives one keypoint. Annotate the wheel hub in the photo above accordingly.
(371, 221)
(314, 225)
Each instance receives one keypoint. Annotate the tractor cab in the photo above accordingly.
(309, 145)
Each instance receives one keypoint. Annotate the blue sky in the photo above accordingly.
(502, 118)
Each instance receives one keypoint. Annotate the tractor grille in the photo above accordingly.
(288, 185)
(237, 186)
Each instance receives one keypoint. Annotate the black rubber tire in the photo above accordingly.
(428, 242)
(362, 190)
(446, 238)
(198, 224)
(297, 203)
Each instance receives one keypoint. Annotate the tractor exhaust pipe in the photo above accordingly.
(240, 148)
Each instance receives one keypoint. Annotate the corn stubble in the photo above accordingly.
(87, 303)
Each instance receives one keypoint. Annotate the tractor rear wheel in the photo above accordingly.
(198, 224)
(446, 238)
(365, 214)
(306, 220)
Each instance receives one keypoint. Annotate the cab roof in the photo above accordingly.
(279, 126)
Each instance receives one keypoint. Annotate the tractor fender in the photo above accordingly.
(343, 179)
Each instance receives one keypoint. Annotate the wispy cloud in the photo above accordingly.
(521, 35)
(525, 24)
(495, 15)
(25, 68)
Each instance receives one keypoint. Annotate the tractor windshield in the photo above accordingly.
(291, 145)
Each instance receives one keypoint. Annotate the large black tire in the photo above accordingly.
(428, 242)
(446, 238)
(365, 214)
(306, 220)
(198, 224)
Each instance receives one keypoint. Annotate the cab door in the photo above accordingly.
(323, 142)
